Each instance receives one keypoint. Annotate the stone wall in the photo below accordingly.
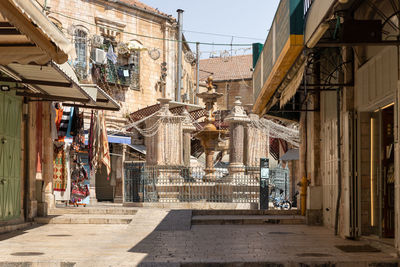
(136, 25)
(231, 89)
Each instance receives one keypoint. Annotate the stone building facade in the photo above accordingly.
(144, 41)
(232, 77)
(346, 95)
(93, 25)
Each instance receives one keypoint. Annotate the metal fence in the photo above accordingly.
(181, 184)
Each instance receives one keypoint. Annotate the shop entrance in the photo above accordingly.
(10, 156)
(382, 172)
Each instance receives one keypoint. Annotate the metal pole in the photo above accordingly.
(197, 71)
(179, 63)
(339, 166)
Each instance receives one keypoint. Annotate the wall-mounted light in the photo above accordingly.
(4, 88)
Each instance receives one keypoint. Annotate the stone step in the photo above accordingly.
(247, 219)
(93, 210)
(84, 219)
(14, 227)
(247, 212)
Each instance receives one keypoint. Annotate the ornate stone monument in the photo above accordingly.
(188, 129)
(164, 148)
(237, 120)
(209, 135)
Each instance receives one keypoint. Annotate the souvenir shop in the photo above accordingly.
(78, 156)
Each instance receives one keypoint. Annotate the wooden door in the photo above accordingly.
(10, 155)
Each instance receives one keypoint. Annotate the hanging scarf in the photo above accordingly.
(95, 141)
(90, 141)
(105, 151)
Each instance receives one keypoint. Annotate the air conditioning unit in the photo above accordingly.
(99, 56)
(97, 40)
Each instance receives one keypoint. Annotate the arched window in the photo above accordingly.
(80, 38)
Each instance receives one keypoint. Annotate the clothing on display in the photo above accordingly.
(60, 175)
(65, 119)
(105, 151)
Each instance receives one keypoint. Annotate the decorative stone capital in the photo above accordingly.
(164, 102)
(237, 114)
(187, 122)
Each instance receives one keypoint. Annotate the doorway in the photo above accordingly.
(382, 172)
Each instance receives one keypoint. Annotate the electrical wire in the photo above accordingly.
(142, 35)
(224, 35)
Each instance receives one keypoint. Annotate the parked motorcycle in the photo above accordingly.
(279, 201)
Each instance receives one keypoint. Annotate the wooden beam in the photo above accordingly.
(37, 82)
(103, 100)
(5, 24)
(9, 31)
(339, 44)
(52, 97)
(90, 107)
(19, 45)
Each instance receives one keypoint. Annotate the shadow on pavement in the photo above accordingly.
(19, 232)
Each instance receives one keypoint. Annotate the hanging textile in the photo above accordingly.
(94, 141)
(60, 174)
(71, 119)
(59, 113)
(105, 151)
(66, 115)
(53, 126)
(77, 122)
(90, 141)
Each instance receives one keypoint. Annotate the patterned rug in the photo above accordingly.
(60, 170)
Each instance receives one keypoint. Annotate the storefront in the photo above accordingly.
(33, 74)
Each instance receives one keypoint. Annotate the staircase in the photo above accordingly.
(88, 215)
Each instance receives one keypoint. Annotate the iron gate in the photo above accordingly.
(182, 184)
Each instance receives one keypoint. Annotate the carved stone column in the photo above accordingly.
(256, 140)
(49, 198)
(188, 128)
(165, 147)
(237, 120)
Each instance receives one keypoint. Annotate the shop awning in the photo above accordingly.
(114, 139)
(102, 100)
(28, 36)
(292, 154)
(48, 82)
(283, 46)
(139, 148)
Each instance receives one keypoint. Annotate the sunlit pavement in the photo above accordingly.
(162, 237)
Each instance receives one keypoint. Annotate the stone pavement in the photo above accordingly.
(153, 238)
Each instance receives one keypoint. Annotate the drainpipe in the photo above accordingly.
(339, 165)
(26, 165)
(179, 65)
(197, 71)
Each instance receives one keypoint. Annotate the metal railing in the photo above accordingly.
(182, 184)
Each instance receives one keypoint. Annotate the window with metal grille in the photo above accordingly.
(80, 38)
(126, 71)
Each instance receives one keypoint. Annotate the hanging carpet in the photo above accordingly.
(60, 170)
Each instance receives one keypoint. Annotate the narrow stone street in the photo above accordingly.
(167, 238)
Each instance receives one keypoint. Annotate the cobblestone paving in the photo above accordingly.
(153, 239)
